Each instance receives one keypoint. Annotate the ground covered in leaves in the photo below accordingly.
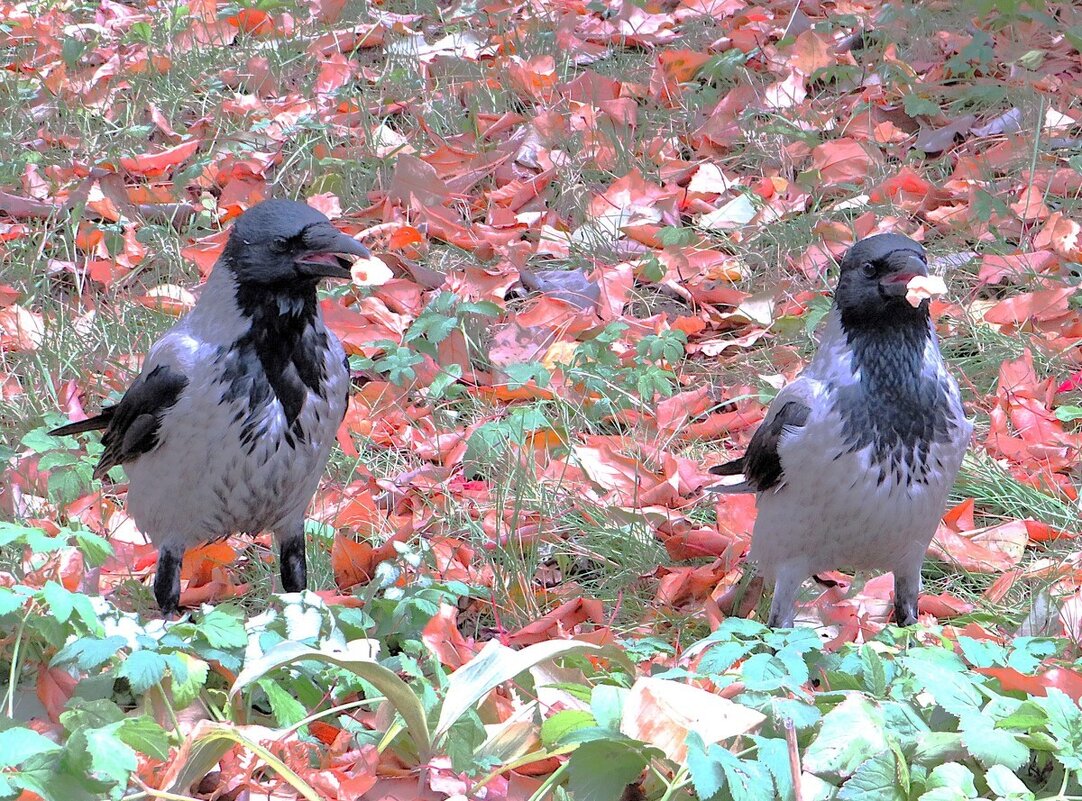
(605, 235)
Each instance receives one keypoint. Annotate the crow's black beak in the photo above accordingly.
(325, 247)
(906, 266)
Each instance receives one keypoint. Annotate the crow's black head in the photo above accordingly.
(872, 285)
(282, 242)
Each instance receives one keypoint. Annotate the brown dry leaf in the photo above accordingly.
(663, 713)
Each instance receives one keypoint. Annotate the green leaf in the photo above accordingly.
(601, 770)
(1064, 725)
(555, 728)
(946, 678)
(949, 782)
(18, 744)
(1028, 716)
(495, 664)
(223, 628)
(850, 733)
(483, 307)
(916, 106)
(1004, 783)
(607, 705)
(714, 769)
(992, 746)
(90, 652)
(143, 669)
(96, 549)
(145, 736)
(359, 659)
(875, 779)
(519, 375)
(1069, 414)
(287, 709)
(444, 379)
(10, 601)
(189, 674)
(875, 674)
(110, 756)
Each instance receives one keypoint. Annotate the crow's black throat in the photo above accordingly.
(897, 407)
(282, 352)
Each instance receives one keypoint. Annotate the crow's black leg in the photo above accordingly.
(291, 554)
(167, 580)
(906, 592)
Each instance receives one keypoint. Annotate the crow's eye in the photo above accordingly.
(280, 244)
(869, 269)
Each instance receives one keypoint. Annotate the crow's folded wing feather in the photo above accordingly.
(132, 426)
(761, 465)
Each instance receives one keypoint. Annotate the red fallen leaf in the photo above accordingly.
(943, 606)
(54, 688)
(200, 563)
(535, 79)
(1045, 304)
(1042, 532)
(206, 251)
(334, 73)
(698, 543)
(157, 163)
(905, 187)
(1072, 383)
(324, 732)
(352, 562)
(443, 638)
(987, 550)
(843, 161)
(994, 268)
(253, 21)
(1011, 680)
(1063, 235)
(560, 622)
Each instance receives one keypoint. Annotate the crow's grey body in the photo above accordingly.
(854, 460)
(230, 423)
(230, 459)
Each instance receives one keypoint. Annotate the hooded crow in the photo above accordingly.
(229, 425)
(854, 460)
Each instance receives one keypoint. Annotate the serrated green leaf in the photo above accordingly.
(945, 677)
(223, 629)
(1005, 783)
(110, 756)
(145, 736)
(601, 770)
(715, 768)
(850, 733)
(143, 669)
(96, 549)
(18, 744)
(59, 600)
(1028, 716)
(287, 709)
(875, 779)
(447, 376)
(948, 782)
(189, 675)
(10, 601)
(90, 652)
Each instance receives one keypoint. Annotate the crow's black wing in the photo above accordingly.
(131, 427)
(761, 464)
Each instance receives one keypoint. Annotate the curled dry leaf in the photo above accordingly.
(923, 287)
